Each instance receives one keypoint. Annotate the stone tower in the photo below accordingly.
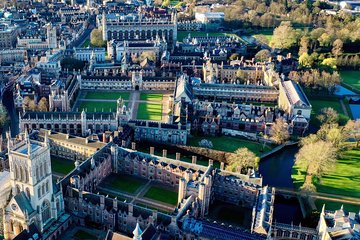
(104, 28)
(51, 36)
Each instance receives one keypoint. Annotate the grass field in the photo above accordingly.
(333, 206)
(162, 195)
(319, 103)
(351, 78)
(183, 34)
(151, 97)
(98, 106)
(107, 95)
(80, 234)
(61, 165)
(229, 144)
(149, 111)
(124, 183)
(265, 34)
(343, 179)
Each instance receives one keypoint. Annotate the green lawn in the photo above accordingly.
(318, 103)
(86, 43)
(107, 95)
(265, 34)
(333, 206)
(80, 234)
(343, 179)
(229, 144)
(162, 195)
(124, 183)
(351, 78)
(151, 96)
(183, 34)
(149, 111)
(98, 106)
(61, 165)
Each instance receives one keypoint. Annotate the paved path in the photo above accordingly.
(344, 107)
(134, 103)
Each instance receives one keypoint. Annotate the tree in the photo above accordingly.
(96, 38)
(262, 55)
(279, 131)
(306, 60)
(316, 158)
(337, 49)
(329, 62)
(166, 3)
(234, 56)
(352, 131)
(284, 36)
(43, 105)
(304, 45)
(32, 105)
(328, 116)
(333, 134)
(26, 102)
(241, 75)
(149, 55)
(241, 160)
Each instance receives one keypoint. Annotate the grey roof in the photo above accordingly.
(23, 202)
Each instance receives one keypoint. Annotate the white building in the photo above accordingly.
(84, 54)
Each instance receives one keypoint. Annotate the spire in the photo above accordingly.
(137, 232)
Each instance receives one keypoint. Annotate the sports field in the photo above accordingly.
(149, 111)
(162, 195)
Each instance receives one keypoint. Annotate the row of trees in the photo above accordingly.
(30, 105)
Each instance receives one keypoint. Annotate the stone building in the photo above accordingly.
(47, 40)
(8, 36)
(85, 54)
(35, 199)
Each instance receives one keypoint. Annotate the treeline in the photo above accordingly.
(348, 61)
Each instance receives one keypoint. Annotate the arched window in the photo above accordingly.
(37, 173)
(57, 205)
(28, 193)
(45, 211)
(17, 189)
(41, 170)
(47, 186)
(26, 175)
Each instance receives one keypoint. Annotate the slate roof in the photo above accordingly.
(23, 202)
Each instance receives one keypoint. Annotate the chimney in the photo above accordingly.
(121, 129)
(104, 138)
(86, 140)
(152, 150)
(177, 156)
(133, 145)
(211, 162)
(123, 143)
(67, 136)
(164, 153)
(222, 165)
(193, 159)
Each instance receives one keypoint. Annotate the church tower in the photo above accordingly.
(51, 36)
(104, 28)
(33, 198)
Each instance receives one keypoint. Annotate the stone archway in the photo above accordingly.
(137, 88)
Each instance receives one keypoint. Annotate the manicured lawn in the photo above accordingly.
(184, 34)
(151, 96)
(80, 234)
(319, 103)
(351, 78)
(61, 165)
(343, 179)
(124, 183)
(229, 144)
(147, 111)
(98, 106)
(162, 195)
(265, 34)
(107, 95)
(333, 206)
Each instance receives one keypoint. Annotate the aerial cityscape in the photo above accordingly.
(167, 119)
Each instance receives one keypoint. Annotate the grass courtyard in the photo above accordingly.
(264, 35)
(61, 165)
(230, 144)
(91, 106)
(80, 234)
(333, 205)
(107, 95)
(162, 195)
(151, 96)
(343, 179)
(123, 183)
(351, 78)
(149, 111)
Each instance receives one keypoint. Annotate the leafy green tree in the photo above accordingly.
(306, 60)
(329, 62)
(96, 38)
(284, 36)
(304, 45)
(241, 160)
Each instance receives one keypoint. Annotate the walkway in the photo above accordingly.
(344, 107)
(134, 103)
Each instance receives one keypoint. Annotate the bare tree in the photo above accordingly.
(352, 131)
(280, 131)
(328, 116)
(32, 105)
(242, 159)
(43, 105)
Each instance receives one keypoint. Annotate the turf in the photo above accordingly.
(151, 97)
(333, 206)
(266, 34)
(162, 195)
(343, 179)
(107, 95)
(123, 183)
(351, 78)
(80, 234)
(319, 103)
(98, 106)
(61, 165)
(229, 144)
(147, 111)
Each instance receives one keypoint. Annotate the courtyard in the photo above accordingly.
(61, 166)
(162, 194)
(123, 183)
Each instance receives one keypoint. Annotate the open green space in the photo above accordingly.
(319, 103)
(61, 165)
(343, 179)
(107, 95)
(80, 234)
(351, 78)
(230, 144)
(123, 183)
(264, 34)
(151, 96)
(333, 206)
(86, 43)
(149, 111)
(184, 34)
(90, 106)
(162, 195)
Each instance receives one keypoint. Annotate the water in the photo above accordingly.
(355, 110)
(276, 169)
(340, 90)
